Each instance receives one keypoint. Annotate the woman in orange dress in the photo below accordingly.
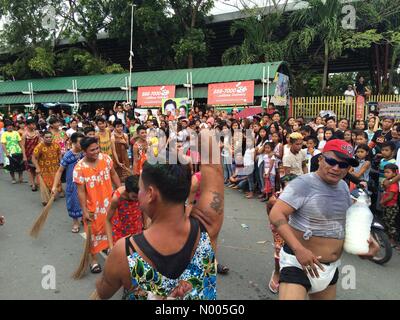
(94, 175)
(46, 159)
(139, 150)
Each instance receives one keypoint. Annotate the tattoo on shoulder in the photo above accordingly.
(279, 223)
(217, 204)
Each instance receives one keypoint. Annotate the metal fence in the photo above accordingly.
(310, 107)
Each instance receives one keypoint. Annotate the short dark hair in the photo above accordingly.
(330, 118)
(87, 141)
(271, 144)
(364, 147)
(313, 140)
(172, 180)
(132, 184)
(140, 128)
(359, 132)
(388, 144)
(8, 123)
(30, 121)
(46, 132)
(118, 122)
(276, 112)
(99, 119)
(53, 120)
(88, 129)
(391, 166)
(75, 136)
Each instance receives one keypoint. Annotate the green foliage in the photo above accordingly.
(43, 62)
(192, 43)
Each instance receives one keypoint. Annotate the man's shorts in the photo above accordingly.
(291, 272)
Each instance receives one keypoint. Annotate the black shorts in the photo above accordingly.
(297, 276)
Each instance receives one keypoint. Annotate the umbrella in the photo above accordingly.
(248, 112)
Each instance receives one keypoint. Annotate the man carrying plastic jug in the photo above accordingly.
(310, 215)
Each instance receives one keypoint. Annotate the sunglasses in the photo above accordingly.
(333, 162)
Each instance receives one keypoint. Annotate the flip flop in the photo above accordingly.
(96, 268)
(273, 286)
(76, 229)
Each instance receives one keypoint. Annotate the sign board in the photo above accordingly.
(153, 96)
(390, 109)
(178, 107)
(228, 93)
(280, 97)
(360, 103)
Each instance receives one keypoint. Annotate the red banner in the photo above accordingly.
(241, 92)
(152, 96)
(360, 102)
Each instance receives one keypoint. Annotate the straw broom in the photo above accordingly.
(44, 192)
(84, 264)
(41, 220)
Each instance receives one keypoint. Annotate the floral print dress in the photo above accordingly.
(197, 282)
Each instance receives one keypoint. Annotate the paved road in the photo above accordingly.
(248, 253)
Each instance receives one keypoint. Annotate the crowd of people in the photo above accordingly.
(111, 184)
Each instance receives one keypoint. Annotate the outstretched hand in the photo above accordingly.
(373, 249)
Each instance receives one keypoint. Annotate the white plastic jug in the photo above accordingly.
(358, 226)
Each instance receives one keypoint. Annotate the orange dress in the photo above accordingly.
(138, 163)
(49, 161)
(98, 186)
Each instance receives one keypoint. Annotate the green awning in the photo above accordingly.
(84, 97)
(107, 96)
(201, 76)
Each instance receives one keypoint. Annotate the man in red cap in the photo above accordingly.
(310, 215)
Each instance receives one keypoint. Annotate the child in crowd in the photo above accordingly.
(362, 171)
(390, 205)
(269, 168)
(387, 151)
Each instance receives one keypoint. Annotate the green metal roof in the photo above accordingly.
(65, 97)
(104, 96)
(150, 78)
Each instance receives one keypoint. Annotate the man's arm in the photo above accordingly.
(210, 208)
(114, 177)
(190, 200)
(35, 163)
(279, 218)
(57, 179)
(116, 270)
(110, 213)
(22, 145)
(82, 201)
(388, 182)
(4, 149)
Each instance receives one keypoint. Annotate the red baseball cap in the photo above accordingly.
(342, 150)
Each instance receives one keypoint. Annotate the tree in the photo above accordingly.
(155, 31)
(378, 24)
(319, 21)
(191, 16)
(260, 42)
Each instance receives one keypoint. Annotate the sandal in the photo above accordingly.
(34, 188)
(221, 269)
(14, 182)
(96, 268)
(76, 229)
(273, 286)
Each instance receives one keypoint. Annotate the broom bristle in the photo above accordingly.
(94, 296)
(44, 191)
(84, 264)
(40, 221)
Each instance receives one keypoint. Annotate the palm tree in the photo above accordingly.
(319, 20)
(259, 44)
